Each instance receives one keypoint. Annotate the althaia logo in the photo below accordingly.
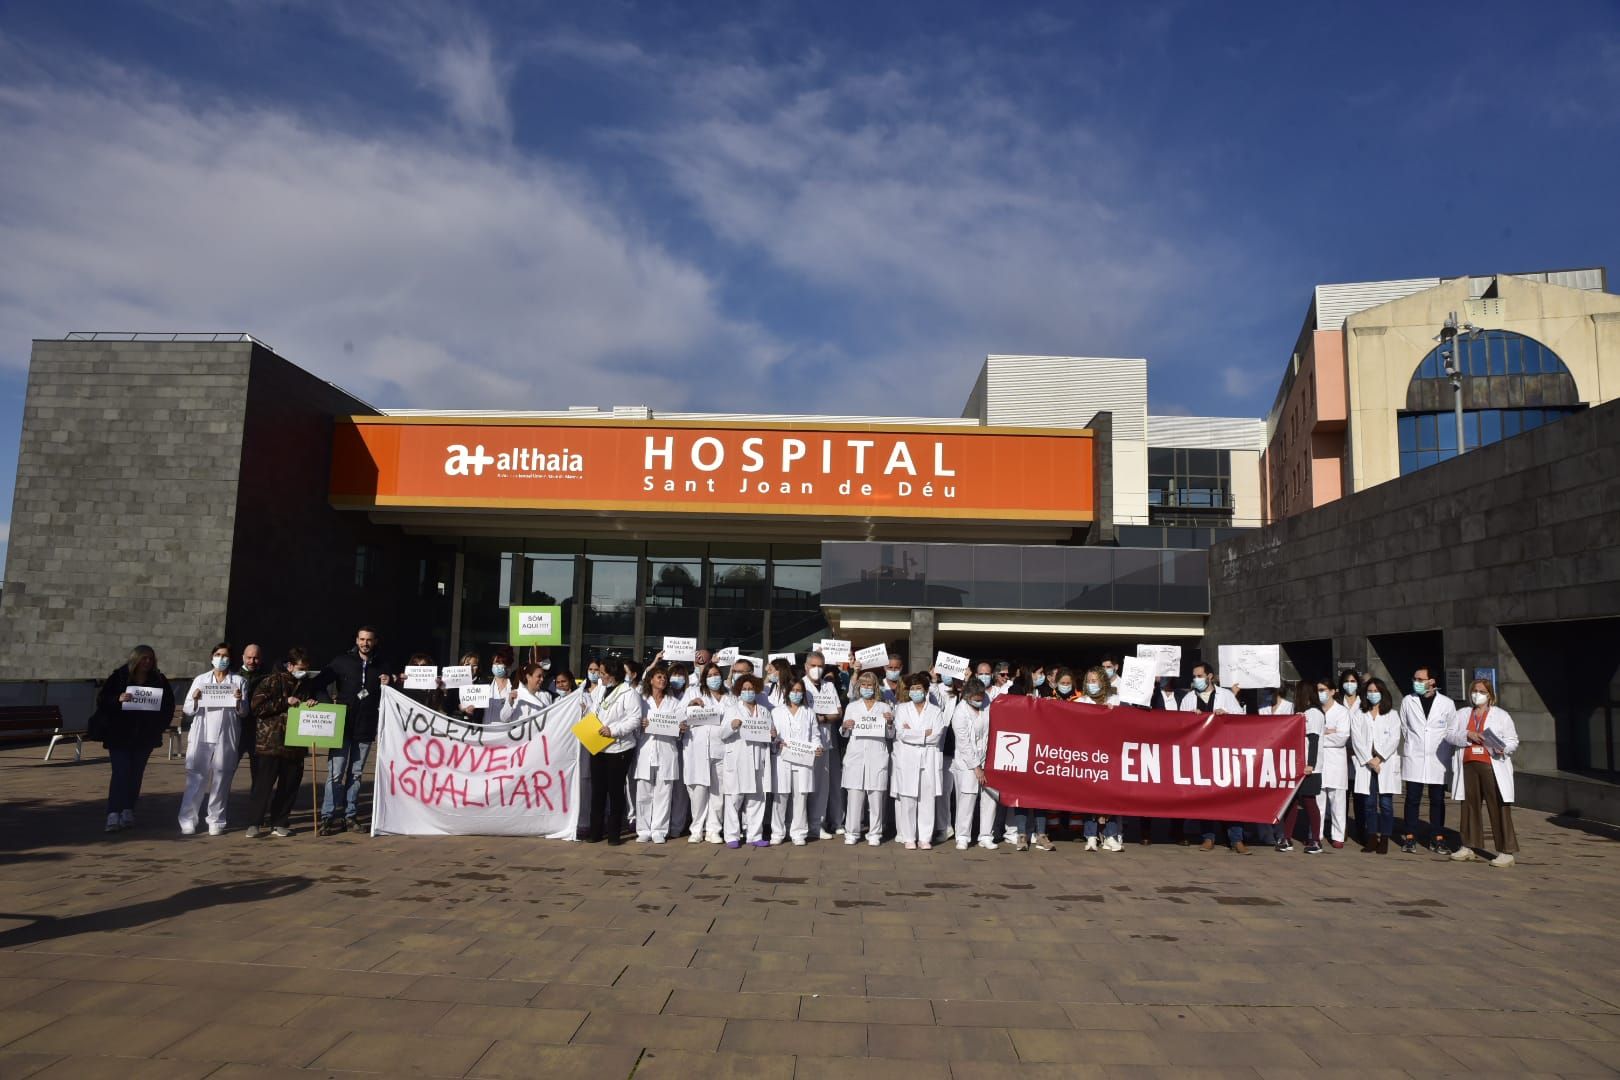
(460, 461)
(1012, 751)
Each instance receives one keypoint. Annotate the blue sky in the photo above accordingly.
(830, 206)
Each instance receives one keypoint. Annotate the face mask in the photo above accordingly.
(985, 679)
(1374, 697)
(796, 697)
(749, 696)
(677, 682)
(1350, 688)
(498, 670)
(1093, 689)
(594, 676)
(714, 682)
(1323, 697)
(731, 681)
(1040, 680)
(1108, 672)
(892, 675)
(976, 702)
(770, 681)
(917, 695)
(1421, 689)
(812, 673)
(301, 674)
(1065, 688)
(221, 663)
(545, 665)
(1200, 683)
(1481, 699)
(868, 693)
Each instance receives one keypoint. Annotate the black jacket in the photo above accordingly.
(118, 728)
(342, 680)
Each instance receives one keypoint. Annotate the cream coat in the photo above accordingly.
(620, 712)
(1425, 753)
(746, 769)
(1501, 723)
(866, 761)
(1223, 700)
(1330, 756)
(701, 746)
(211, 726)
(659, 751)
(1376, 736)
(794, 726)
(917, 764)
(527, 707)
(972, 727)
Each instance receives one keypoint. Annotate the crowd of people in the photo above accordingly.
(848, 753)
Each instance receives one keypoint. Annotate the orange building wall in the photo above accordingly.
(1303, 465)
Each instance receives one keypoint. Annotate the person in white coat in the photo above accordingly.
(1375, 747)
(501, 685)
(658, 759)
(526, 699)
(746, 770)
(793, 722)
(945, 693)
(1310, 786)
(1097, 689)
(866, 761)
(1426, 717)
(1482, 775)
(917, 763)
(970, 723)
(619, 714)
(216, 704)
(826, 796)
(702, 750)
(1207, 695)
(1332, 761)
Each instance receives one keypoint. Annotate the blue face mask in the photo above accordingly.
(1350, 689)
(796, 697)
(1374, 697)
(976, 702)
(498, 670)
(677, 682)
(891, 675)
(1421, 689)
(1040, 680)
(1065, 688)
(868, 693)
(221, 663)
(917, 694)
(714, 682)
(985, 679)
(748, 697)
(1093, 688)
(1324, 696)
(1200, 683)
(594, 676)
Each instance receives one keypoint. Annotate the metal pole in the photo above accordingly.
(1457, 390)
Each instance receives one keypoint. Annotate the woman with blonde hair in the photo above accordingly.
(1482, 774)
(130, 733)
(1095, 689)
(866, 761)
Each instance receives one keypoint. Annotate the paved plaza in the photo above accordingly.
(146, 954)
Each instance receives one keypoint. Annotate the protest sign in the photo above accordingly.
(316, 726)
(535, 625)
(457, 676)
(775, 656)
(421, 677)
(835, 650)
(665, 724)
(826, 701)
(1250, 666)
(871, 726)
(680, 650)
(757, 728)
(476, 696)
(1059, 755)
(951, 666)
(873, 656)
(438, 775)
(726, 657)
(702, 716)
(1166, 659)
(756, 662)
(143, 698)
(1135, 686)
(799, 753)
(218, 695)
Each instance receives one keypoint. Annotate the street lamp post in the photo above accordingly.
(1451, 341)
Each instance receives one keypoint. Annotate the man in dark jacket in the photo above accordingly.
(253, 673)
(353, 680)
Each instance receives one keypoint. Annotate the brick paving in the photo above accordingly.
(148, 954)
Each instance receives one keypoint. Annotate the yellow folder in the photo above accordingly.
(589, 733)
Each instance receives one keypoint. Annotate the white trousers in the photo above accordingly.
(1331, 803)
(784, 806)
(209, 768)
(914, 819)
(745, 810)
(653, 800)
(706, 811)
(873, 802)
(964, 816)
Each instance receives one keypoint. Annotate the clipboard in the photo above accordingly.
(588, 732)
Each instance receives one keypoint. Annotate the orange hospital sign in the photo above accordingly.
(876, 471)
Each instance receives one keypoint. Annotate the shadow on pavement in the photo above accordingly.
(51, 927)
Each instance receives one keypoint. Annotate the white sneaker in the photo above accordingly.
(961, 846)
(716, 840)
(216, 830)
(876, 841)
(1464, 854)
(1091, 843)
(658, 839)
(126, 819)
(988, 845)
(643, 839)
(1502, 859)
(823, 834)
(188, 830)
(840, 830)
(695, 838)
(1113, 843)
(850, 840)
(252, 832)
(281, 831)
(798, 843)
(114, 823)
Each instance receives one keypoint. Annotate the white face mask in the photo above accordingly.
(1093, 689)
(221, 663)
(1481, 698)
(812, 672)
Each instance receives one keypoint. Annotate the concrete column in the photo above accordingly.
(921, 657)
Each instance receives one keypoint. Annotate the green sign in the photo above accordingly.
(316, 725)
(536, 626)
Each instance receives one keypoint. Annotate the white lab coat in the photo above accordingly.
(972, 727)
(1222, 699)
(917, 764)
(1425, 753)
(1381, 736)
(794, 725)
(746, 769)
(866, 761)
(1498, 721)
(620, 711)
(702, 746)
(1164, 701)
(216, 727)
(499, 689)
(1281, 708)
(659, 751)
(527, 707)
(1330, 756)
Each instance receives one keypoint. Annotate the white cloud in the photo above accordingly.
(406, 267)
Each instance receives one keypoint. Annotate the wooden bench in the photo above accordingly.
(31, 722)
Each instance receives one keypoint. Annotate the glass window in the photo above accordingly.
(737, 584)
(1161, 460)
(1490, 426)
(1136, 580)
(1042, 575)
(1202, 462)
(1408, 463)
(950, 575)
(1515, 355)
(610, 616)
(796, 585)
(1407, 426)
(996, 574)
(1471, 430)
(674, 599)
(1185, 581)
(1426, 432)
(849, 573)
(1496, 355)
(1532, 357)
(1510, 423)
(1532, 419)
(1089, 573)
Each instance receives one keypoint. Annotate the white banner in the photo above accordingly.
(1250, 666)
(439, 775)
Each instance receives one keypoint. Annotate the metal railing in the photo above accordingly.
(165, 335)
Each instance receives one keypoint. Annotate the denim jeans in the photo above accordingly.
(1234, 833)
(1109, 827)
(1021, 821)
(1377, 811)
(345, 768)
(1437, 806)
(128, 769)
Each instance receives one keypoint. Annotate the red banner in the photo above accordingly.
(1057, 755)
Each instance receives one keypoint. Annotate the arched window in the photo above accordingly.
(1511, 384)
